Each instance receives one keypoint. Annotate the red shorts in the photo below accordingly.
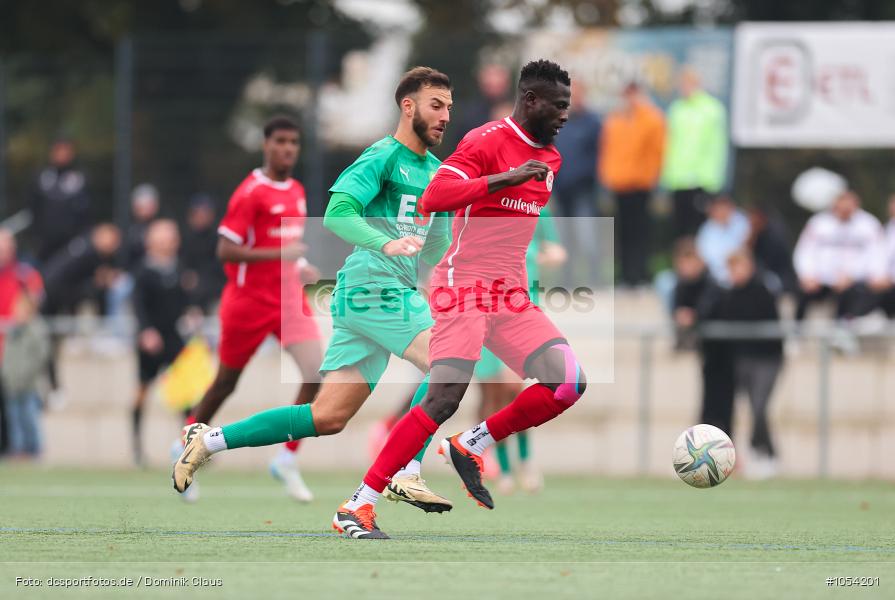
(246, 321)
(511, 327)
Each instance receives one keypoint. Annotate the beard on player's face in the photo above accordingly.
(541, 128)
(545, 119)
(423, 130)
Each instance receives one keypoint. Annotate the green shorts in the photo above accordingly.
(489, 366)
(372, 323)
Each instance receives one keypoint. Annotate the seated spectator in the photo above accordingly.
(203, 275)
(85, 267)
(724, 232)
(771, 248)
(692, 279)
(83, 270)
(756, 362)
(25, 357)
(841, 254)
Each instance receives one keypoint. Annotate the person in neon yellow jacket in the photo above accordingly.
(696, 148)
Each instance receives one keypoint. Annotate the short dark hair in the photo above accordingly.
(418, 77)
(279, 123)
(543, 71)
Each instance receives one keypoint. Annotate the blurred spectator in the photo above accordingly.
(756, 363)
(26, 352)
(725, 232)
(769, 241)
(494, 90)
(203, 275)
(887, 298)
(841, 254)
(695, 152)
(83, 270)
(630, 161)
(576, 185)
(144, 209)
(15, 278)
(159, 302)
(692, 279)
(60, 203)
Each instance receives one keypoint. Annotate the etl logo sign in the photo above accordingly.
(814, 85)
(407, 212)
(785, 82)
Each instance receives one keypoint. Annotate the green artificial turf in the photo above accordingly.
(581, 538)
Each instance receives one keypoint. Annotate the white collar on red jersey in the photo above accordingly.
(518, 130)
(279, 185)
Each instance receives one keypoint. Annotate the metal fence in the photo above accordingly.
(827, 336)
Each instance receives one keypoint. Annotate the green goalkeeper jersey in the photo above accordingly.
(388, 179)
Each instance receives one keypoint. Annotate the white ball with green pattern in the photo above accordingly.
(703, 456)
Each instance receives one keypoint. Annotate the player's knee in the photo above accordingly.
(330, 423)
(573, 381)
(442, 406)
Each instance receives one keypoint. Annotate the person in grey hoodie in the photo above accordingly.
(25, 357)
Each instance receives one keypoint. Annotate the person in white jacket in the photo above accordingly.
(841, 254)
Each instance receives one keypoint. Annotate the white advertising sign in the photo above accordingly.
(814, 85)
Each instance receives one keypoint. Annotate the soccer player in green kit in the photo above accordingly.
(377, 310)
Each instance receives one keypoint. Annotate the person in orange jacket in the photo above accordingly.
(630, 163)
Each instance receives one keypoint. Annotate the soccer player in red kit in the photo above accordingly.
(497, 181)
(260, 245)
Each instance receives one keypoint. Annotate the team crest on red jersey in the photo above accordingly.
(549, 181)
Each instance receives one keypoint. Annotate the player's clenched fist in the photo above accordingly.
(407, 246)
(530, 169)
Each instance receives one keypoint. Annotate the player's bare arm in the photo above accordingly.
(230, 251)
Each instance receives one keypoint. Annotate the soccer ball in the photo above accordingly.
(703, 456)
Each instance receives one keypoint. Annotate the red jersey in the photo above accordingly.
(492, 234)
(15, 277)
(256, 218)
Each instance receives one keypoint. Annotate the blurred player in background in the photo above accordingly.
(497, 181)
(498, 384)
(159, 301)
(377, 309)
(260, 244)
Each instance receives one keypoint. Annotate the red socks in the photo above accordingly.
(406, 438)
(534, 406)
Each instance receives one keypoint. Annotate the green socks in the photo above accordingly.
(417, 398)
(288, 423)
(522, 436)
(503, 457)
(271, 427)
